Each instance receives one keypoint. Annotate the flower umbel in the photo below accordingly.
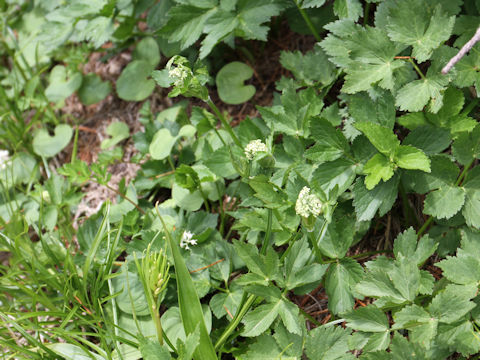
(253, 147)
(4, 158)
(179, 74)
(187, 239)
(308, 204)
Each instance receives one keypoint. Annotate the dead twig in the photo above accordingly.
(462, 52)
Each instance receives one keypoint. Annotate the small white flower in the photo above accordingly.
(308, 204)
(187, 239)
(4, 158)
(253, 147)
(179, 74)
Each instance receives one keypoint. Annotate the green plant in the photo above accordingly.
(357, 189)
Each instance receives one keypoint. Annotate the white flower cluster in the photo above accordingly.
(187, 240)
(253, 147)
(4, 158)
(179, 74)
(308, 204)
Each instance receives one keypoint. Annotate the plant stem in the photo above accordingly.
(236, 320)
(125, 197)
(266, 240)
(417, 69)
(224, 122)
(308, 21)
(309, 317)
(366, 13)
(204, 196)
(315, 242)
(424, 226)
(407, 210)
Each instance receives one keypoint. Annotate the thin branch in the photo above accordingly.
(462, 52)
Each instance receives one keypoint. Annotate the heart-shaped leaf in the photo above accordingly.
(134, 84)
(93, 89)
(48, 146)
(162, 144)
(163, 141)
(147, 50)
(231, 88)
(63, 83)
(118, 132)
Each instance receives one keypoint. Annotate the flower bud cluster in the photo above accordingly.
(4, 158)
(253, 147)
(308, 204)
(187, 239)
(179, 74)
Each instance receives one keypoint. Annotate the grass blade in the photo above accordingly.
(189, 303)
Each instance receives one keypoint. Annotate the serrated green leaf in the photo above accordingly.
(466, 146)
(430, 139)
(453, 303)
(327, 343)
(409, 157)
(259, 320)
(366, 54)
(406, 246)
(410, 23)
(290, 316)
(309, 68)
(340, 172)
(444, 202)
(377, 168)
(339, 281)
(186, 22)
(384, 140)
(415, 95)
(368, 319)
(422, 326)
(379, 198)
(348, 9)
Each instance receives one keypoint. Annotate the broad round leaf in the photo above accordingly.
(172, 323)
(93, 89)
(147, 50)
(48, 146)
(133, 84)
(162, 144)
(185, 199)
(137, 294)
(62, 84)
(231, 88)
(118, 131)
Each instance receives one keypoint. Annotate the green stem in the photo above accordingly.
(424, 226)
(224, 122)
(316, 249)
(365, 13)
(266, 240)
(236, 320)
(407, 210)
(309, 317)
(417, 69)
(204, 196)
(463, 173)
(308, 21)
(220, 209)
(470, 107)
(158, 324)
